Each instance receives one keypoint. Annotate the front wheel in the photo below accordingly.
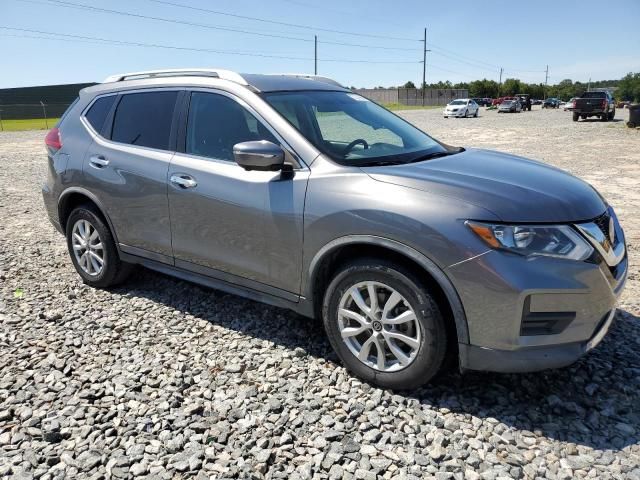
(383, 323)
(476, 114)
(93, 250)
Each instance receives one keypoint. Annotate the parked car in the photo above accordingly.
(462, 107)
(483, 102)
(525, 100)
(594, 104)
(551, 103)
(299, 193)
(536, 102)
(512, 106)
(568, 105)
(499, 100)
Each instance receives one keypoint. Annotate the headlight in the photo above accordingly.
(529, 240)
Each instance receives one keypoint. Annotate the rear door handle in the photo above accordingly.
(98, 161)
(182, 180)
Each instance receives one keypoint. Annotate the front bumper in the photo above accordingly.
(459, 113)
(502, 292)
(533, 358)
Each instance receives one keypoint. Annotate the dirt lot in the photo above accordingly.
(160, 378)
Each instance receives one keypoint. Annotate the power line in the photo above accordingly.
(81, 6)
(286, 24)
(87, 39)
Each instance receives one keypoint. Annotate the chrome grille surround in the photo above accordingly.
(610, 245)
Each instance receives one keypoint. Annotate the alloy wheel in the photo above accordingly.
(87, 247)
(379, 326)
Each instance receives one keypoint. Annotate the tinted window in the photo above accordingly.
(144, 119)
(216, 123)
(98, 112)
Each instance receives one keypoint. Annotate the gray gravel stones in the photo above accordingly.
(163, 379)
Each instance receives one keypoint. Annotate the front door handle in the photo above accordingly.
(182, 180)
(98, 161)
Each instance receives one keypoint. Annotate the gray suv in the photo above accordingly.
(294, 191)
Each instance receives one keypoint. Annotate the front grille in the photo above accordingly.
(603, 223)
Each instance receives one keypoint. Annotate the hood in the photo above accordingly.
(513, 188)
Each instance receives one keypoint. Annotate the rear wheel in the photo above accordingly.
(612, 115)
(384, 324)
(576, 116)
(604, 117)
(93, 250)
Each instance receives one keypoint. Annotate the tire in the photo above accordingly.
(576, 116)
(427, 329)
(475, 115)
(612, 114)
(466, 113)
(113, 271)
(604, 117)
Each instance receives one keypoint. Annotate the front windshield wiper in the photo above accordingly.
(432, 155)
(420, 158)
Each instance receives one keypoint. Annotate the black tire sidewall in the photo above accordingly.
(110, 253)
(432, 350)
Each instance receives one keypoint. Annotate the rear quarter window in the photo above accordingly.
(144, 119)
(97, 113)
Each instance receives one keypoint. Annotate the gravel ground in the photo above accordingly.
(161, 378)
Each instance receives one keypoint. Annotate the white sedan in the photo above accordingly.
(462, 107)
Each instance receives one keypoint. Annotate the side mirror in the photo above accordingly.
(259, 155)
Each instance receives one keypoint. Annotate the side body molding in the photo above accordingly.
(422, 260)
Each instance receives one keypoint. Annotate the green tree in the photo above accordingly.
(629, 87)
(511, 86)
(409, 84)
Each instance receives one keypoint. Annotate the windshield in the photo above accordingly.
(458, 102)
(353, 130)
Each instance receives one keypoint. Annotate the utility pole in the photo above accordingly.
(424, 65)
(315, 55)
(500, 82)
(589, 85)
(546, 79)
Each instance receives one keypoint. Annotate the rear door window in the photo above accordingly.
(144, 119)
(98, 112)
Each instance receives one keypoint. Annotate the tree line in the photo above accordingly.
(627, 88)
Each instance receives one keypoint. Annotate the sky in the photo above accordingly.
(360, 43)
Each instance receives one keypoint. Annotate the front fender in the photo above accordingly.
(422, 260)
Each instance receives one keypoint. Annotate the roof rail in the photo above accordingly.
(317, 78)
(179, 72)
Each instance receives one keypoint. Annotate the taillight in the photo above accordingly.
(604, 104)
(53, 141)
(574, 104)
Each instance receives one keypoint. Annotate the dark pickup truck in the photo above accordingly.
(594, 104)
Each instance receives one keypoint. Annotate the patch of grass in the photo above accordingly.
(400, 106)
(28, 124)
